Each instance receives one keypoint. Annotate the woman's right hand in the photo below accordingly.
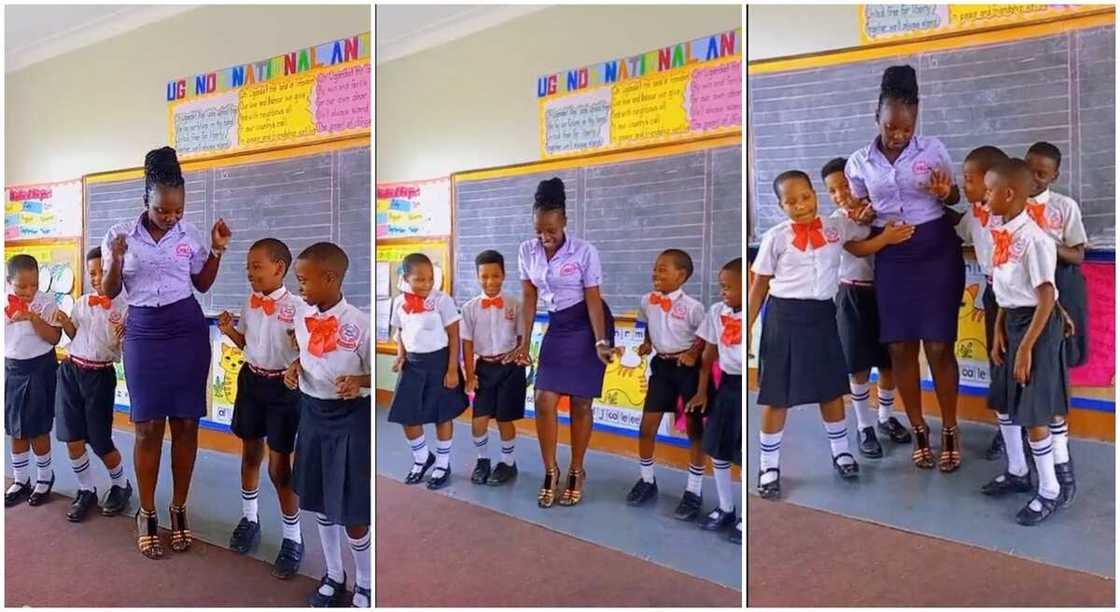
(119, 246)
(605, 353)
(519, 355)
(999, 347)
(896, 232)
(225, 322)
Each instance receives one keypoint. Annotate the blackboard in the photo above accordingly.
(1059, 88)
(299, 199)
(630, 210)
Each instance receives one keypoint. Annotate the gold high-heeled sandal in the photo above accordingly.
(547, 495)
(950, 459)
(923, 455)
(180, 534)
(147, 535)
(574, 493)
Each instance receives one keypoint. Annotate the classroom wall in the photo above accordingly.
(472, 103)
(102, 107)
(775, 30)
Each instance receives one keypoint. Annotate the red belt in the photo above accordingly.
(855, 283)
(672, 355)
(87, 364)
(492, 359)
(265, 373)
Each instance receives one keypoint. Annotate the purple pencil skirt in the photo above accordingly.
(166, 361)
(568, 363)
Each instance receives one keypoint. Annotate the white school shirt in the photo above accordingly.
(810, 274)
(424, 332)
(711, 330)
(673, 331)
(350, 357)
(1062, 218)
(852, 268)
(267, 344)
(980, 235)
(20, 339)
(1031, 260)
(97, 339)
(493, 330)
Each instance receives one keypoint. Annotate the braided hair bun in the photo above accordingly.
(550, 195)
(161, 167)
(899, 83)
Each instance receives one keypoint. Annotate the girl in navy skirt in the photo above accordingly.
(565, 273)
(801, 358)
(908, 179)
(722, 333)
(159, 260)
(430, 386)
(1029, 383)
(857, 317)
(30, 335)
(333, 451)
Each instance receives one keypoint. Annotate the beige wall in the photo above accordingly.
(472, 103)
(775, 30)
(102, 107)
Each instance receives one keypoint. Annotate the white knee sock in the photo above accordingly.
(1043, 451)
(443, 454)
(21, 467)
(838, 439)
(249, 504)
(330, 535)
(771, 445)
(508, 447)
(419, 448)
(695, 479)
(482, 445)
(722, 472)
(116, 475)
(82, 471)
(861, 401)
(646, 469)
(1059, 431)
(291, 527)
(1013, 443)
(360, 549)
(886, 404)
(43, 472)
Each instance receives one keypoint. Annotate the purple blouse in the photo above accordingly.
(897, 190)
(560, 281)
(157, 274)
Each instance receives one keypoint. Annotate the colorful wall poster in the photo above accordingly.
(225, 364)
(388, 257)
(49, 210)
(1100, 370)
(880, 22)
(678, 92)
(414, 209)
(303, 96)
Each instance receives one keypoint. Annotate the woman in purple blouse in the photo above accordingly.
(919, 283)
(159, 260)
(565, 273)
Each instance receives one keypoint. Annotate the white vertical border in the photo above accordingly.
(743, 284)
(374, 548)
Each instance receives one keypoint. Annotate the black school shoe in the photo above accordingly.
(336, 600)
(245, 536)
(689, 508)
(83, 503)
(1067, 483)
(117, 500)
(364, 593)
(481, 472)
(441, 481)
(736, 535)
(869, 443)
(38, 499)
(895, 431)
(641, 492)
(1007, 483)
(1028, 516)
(772, 489)
(847, 471)
(718, 520)
(416, 477)
(502, 474)
(995, 449)
(288, 560)
(22, 491)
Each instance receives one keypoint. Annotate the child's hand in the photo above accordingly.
(998, 347)
(896, 232)
(118, 329)
(1023, 364)
(1069, 328)
(698, 403)
(940, 183)
(225, 322)
(292, 339)
(119, 246)
(61, 318)
(291, 376)
(519, 355)
(397, 363)
(23, 315)
(688, 359)
(471, 384)
(451, 379)
(219, 236)
(645, 348)
(347, 387)
(865, 214)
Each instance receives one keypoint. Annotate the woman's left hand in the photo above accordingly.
(219, 236)
(1023, 364)
(940, 184)
(605, 353)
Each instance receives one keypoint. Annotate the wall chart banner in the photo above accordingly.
(879, 22)
(48, 210)
(678, 92)
(414, 209)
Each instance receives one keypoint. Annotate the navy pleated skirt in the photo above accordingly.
(1046, 394)
(420, 396)
(800, 357)
(166, 361)
(919, 285)
(1073, 295)
(568, 363)
(332, 474)
(723, 431)
(857, 318)
(29, 395)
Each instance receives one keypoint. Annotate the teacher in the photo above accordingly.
(564, 272)
(909, 179)
(159, 259)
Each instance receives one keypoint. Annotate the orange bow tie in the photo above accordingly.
(658, 299)
(732, 330)
(15, 305)
(267, 304)
(324, 335)
(1037, 212)
(413, 303)
(806, 233)
(103, 301)
(982, 214)
(497, 302)
(1001, 247)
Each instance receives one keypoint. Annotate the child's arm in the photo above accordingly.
(760, 288)
(468, 366)
(291, 375)
(998, 339)
(1041, 315)
(451, 378)
(1071, 255)
(225, 325)
(395, 334)
(67, 323)
(49, 333)
(893, 233)
(646, 347)
(699, 402)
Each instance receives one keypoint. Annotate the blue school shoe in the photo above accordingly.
(894, 430)
(117, 500)
(19, 492)
(38, 499)
(481, 472)
(83, 503)
(995, 449)
(641, 493)
(718, 520)
(772, 489)
(288, 560)
(869, 443)
(502, 474)
(245, 536)
(416, 474)
(337, 597)
(364, 593)
(1067, 483)
(1029, 516)
(689, 508)
(1007, 483)
(736, 536)
(441, 480)
(847, 471)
